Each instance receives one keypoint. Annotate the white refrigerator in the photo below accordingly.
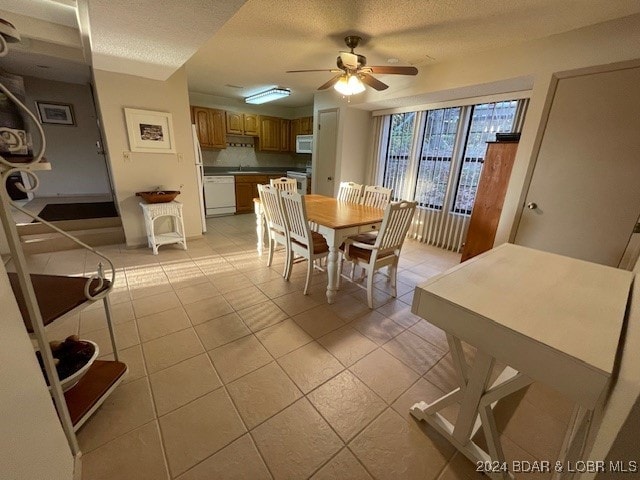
(199, 177)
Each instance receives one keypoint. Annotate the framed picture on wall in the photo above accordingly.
(149, 131)
(55, 113)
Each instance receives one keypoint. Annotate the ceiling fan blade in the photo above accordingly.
(304, 71)
(330, 83)
(373, 82)
(382, 69)
(349, 60)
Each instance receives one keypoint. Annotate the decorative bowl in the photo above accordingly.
(159, 196)
(69, 382)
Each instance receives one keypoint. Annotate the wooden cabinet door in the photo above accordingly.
(285, 135)
(251, 125)
(244, 197)
(202, 121)
(218, 128)
(269, 134)
(487, 207)
(306, 125)
(234, 123)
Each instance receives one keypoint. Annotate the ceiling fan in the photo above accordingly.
(353, 72)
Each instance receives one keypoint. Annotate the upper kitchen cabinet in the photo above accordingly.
(270, 134)
(306, 126)
(242, 124)
(300, 126)
(211, 127)
(251, 124)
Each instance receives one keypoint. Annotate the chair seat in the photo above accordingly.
(319, 243)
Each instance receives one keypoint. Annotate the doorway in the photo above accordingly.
(325, 161)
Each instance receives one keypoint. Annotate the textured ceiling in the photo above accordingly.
(267, 37)
(152, 38)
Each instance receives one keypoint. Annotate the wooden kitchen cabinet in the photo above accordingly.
(210, 126)
(269, 134)
(251, 124)
(235, 123)
(242, 123)
(306, 126)
(247, 190)
(487, 207)
(299, 126)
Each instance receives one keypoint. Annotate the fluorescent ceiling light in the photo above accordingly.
(268, 96)
(349, 85)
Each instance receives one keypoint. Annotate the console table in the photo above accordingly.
(152, 211)
(552, 319)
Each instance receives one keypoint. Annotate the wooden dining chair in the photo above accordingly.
(376, 196)
(284, 183)
(277, 225)
(307, 244)
(350, 192)
(383, 250)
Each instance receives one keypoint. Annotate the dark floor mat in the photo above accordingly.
(77, 211)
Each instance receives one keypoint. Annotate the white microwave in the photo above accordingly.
(304, 144)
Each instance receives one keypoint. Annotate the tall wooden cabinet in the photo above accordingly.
(492, 189)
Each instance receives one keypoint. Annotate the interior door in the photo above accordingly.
(584, 200)
(326, 152)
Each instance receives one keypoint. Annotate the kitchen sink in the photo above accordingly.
(243, 171)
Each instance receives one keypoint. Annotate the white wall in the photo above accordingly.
(32, 442)
(145, 171)
(77, 166)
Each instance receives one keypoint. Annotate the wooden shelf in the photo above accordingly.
(57, 295)
(92, 389)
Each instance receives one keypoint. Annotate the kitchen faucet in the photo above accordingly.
(240, 167)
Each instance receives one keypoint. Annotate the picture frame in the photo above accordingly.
(150, 131)
(55, 113)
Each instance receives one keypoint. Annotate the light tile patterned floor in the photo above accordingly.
(234, 374)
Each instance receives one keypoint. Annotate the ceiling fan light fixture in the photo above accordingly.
(349, 85)
(267, 96)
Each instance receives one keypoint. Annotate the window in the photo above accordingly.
(486, 120)
(444, 170)
(434, 164)
(400, 138)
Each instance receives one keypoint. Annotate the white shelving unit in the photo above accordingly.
(44, 299)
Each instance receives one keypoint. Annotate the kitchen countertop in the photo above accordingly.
(212, 171)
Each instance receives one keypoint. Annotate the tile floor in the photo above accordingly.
(234, 374)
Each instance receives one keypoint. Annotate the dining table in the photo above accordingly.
(335, 220)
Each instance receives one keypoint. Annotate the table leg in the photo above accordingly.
(332, 273)
(476, 399)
